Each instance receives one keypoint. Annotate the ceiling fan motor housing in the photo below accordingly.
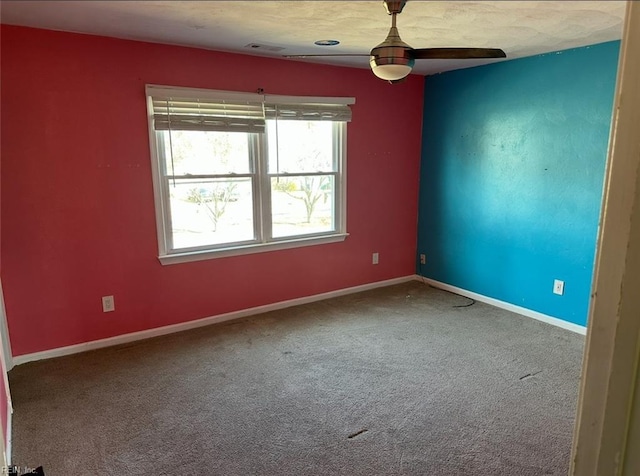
(399, 55)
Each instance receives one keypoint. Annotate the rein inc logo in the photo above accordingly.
(22, 470)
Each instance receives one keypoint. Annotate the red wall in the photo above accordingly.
(77, 212)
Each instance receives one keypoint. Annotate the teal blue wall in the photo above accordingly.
(511, 179)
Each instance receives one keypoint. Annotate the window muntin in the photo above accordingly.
(223, 188)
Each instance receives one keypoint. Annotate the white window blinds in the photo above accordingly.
(205, 110)
(309, 112)
(306, 108)
(190, 109)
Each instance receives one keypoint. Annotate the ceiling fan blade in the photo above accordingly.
(457, 53)
(312, 56)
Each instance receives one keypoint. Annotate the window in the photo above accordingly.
(239, 173)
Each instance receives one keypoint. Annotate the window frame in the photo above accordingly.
(261, 190)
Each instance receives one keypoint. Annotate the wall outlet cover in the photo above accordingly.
(558, 287)
(108, 304)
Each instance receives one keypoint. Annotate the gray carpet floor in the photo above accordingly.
(395, 381)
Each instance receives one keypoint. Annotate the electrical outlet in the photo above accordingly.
(423, 259)
(374, 258)
(558, 287)
(108, 304)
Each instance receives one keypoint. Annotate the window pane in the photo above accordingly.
(206, 152)
(302, 205)
(211, 212)
(300, 146)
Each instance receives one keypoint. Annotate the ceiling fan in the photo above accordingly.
(393, 59)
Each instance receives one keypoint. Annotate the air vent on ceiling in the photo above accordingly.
(258, 46)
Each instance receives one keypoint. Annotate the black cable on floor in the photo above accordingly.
(469, 304)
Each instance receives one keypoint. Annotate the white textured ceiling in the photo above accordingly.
(521, 28)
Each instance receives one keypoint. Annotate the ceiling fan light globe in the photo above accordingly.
(390, 72)
(391, 64)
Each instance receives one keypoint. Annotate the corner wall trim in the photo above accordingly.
(507, 306)
(206, 321)
(8, 436)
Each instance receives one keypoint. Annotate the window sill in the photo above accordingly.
(176, 258)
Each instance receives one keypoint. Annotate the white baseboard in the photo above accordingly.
(507, 306)
(160, 331)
